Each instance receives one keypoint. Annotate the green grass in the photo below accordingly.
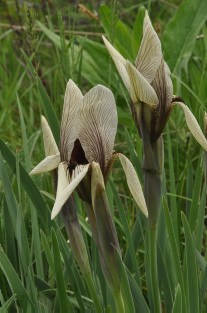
(38, 272)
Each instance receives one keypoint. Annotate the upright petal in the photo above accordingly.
(163, 87)
(119, 61)
(98, 124)
(150, 53)
(193, 126)
(46, 165)
(133, 183)
(64, 194)
(140, 89)
(48, 139)
(69, 129)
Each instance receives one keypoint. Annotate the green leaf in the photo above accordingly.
(65, 305)
(138, 298)
(113, 25)
(125, 287)
(180, 34)
(46, 102)
(192, 274)
(14, 281)
(174, 252)
(177, 305)
(27, 183)
(5, 307)
(138, 29)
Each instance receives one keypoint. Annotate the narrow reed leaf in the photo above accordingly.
(203, 286)
(64, 303)
(16, 218)
(14, 281)
(192, 271)
(194, 209)
(125, 225)
(125, 287)
(175, 254)
(24, 137)
(27, 183)
(138, 298)
(46, 102)
(48, 254)
(5, 307)
(177, 304)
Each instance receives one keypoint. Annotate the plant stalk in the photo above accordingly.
(152, 251)
(74, 232)
(119, 302)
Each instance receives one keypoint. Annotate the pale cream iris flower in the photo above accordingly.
(88, 129)
(150, 86)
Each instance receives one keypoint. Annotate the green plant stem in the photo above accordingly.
(152, 240)
(93, 292)
(119, 302)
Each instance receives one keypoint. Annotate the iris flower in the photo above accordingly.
(88, 129)
(150, 87)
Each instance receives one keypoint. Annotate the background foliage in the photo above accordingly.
(43, 44)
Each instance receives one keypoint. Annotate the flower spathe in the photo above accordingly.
(88, 129)
(150, 86)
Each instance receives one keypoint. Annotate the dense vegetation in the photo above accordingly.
(43, 45)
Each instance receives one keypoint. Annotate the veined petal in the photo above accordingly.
(97, 180)
(133, 183)
(193, 125)
(98, 124)
(63, 178)
(46, 165)
(140, 89)
(119, 61)
(150, 53)
(63, 196)
(69, 123)
(48, 138)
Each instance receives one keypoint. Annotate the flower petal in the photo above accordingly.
(46, 165)
(150, 53)
(140, 89)
(98, 124)
(133, 183)
(119, 61)
(63, 195)
(193, 125)
(63, 178)
(69, 129)
(48, 138)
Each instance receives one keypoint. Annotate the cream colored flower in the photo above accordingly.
(88, 129)
(150, 86)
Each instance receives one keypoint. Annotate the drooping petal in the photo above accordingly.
(119, 61)
(98, 124)
(140, 89)
(69, 123)
(193, 125)
(48, 138)
(46, 165)
(63, 178)
(150, 53)
(62, 196)
(133, 183)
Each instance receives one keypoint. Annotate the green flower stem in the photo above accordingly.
(152, 168)
(93, 292)
(119, 302)
(152, 251)
(74, 232)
